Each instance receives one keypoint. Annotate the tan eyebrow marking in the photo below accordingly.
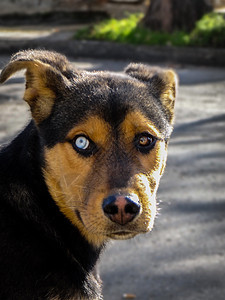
(136, 122)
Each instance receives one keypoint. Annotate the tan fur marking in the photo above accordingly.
(41, 101)
(169, 94)
(39, 97)
(67, 172)
(135, 123)
(94, 127)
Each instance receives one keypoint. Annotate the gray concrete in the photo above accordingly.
(183, 258)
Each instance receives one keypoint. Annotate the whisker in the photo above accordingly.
(64, 179)
(78, 176)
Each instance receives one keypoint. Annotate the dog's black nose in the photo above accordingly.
(121, 209)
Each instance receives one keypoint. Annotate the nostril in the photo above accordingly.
(132, 207)
(111, 209)
(109, 206)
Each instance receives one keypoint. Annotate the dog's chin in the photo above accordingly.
(122, 235)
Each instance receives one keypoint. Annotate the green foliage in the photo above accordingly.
(209, 31)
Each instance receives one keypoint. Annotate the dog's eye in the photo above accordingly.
(83, 145)
(144, 142)
(82, 142)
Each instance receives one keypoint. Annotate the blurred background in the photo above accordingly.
(183, 258)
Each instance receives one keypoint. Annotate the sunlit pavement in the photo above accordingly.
(183, 258)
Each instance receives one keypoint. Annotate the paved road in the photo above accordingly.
(183, 258)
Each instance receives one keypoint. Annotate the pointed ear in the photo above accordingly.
(162, 83)
(46, 73)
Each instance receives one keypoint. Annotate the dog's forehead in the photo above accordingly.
(103, 86)
(111, 96)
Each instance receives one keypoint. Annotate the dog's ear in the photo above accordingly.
(162, 84)
(46, 73)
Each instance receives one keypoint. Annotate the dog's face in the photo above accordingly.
(105, 139)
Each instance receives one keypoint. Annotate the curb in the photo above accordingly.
(109, 50)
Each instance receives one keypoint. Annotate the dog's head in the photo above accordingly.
(105, 138)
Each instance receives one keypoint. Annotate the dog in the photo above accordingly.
(83, 171)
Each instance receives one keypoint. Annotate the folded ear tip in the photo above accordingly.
(2, 79)
(11, 68)
(5, 74)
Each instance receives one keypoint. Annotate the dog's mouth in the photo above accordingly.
(122, 235)
(117, 235)
(114, 231)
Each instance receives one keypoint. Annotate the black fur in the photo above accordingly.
(42, 254)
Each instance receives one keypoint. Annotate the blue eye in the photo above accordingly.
(84, 145)
(82, 142)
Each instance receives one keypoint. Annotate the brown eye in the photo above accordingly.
(144, 142)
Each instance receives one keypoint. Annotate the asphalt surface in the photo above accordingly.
(61, 39)
(183, 258)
